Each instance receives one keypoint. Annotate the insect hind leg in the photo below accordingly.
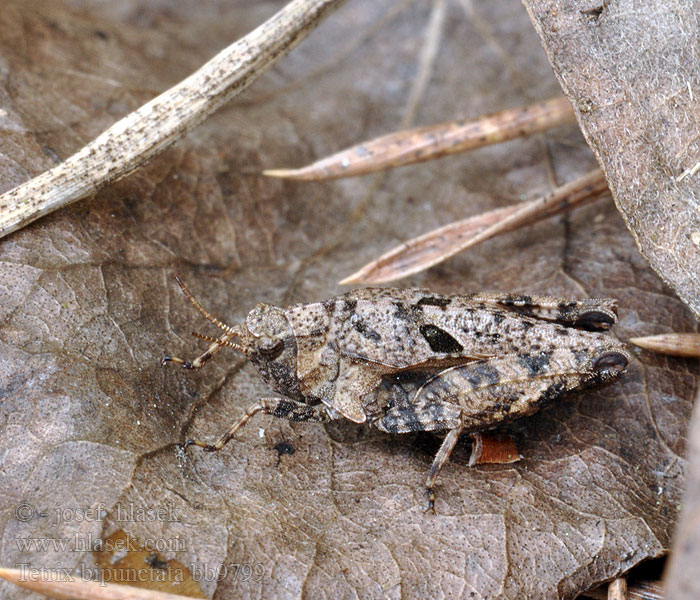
(282, 408)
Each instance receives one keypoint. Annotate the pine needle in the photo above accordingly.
(434, 247)
(426, 143)
(54, 583)
(674, 344)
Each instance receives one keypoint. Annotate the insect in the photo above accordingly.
(404, 360)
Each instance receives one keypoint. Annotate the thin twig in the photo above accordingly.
(147, 131)
(426, 143)
(55, 584)
(432, 248)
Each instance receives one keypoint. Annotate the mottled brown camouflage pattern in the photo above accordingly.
(347, 344)
(410, 360)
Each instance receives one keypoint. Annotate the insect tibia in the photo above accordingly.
(186, 364)
(264, 405)
(205, 446)
(431, 501)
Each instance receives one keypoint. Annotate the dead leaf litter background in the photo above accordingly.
(89, 306)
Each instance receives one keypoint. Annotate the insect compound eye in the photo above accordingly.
(271, 348)
(595, 320)
(611, 362)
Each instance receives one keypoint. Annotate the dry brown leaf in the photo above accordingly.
(89, 420)
(681, 580)
(433, 141)
(432, 248)
(493, 449)
(632, 74)
(122, 560)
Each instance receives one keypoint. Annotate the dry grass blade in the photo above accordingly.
(434, 141)
(54, 584)
(675, 344)
(431, 248)
(147, 131)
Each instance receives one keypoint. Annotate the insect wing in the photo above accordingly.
(489, 392)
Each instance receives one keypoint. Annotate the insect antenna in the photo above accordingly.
(216, 343)
(219, 341)
(203, 311)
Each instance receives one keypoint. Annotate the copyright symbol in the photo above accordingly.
(24, 512)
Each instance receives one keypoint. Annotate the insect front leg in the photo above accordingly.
(216, 343)
(198, 363)
(282, 408)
